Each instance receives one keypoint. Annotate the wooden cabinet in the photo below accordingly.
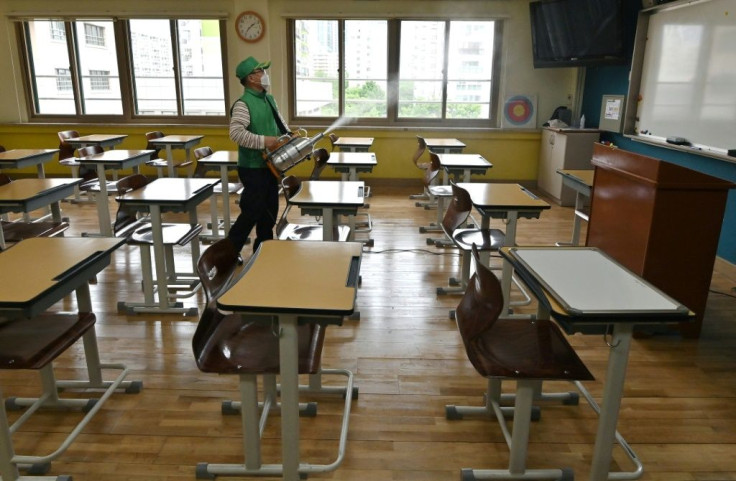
(563, 149)
(661, 221)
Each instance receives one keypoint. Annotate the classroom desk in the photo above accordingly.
(444, 146)
(581, 181)
(37, 273)
(330, 199)
(27, 195)
(509, 202)
(325, 276)
(224, 160)
(582, 286)
(103, 140)
(353, 144)
(166, 195)
(462, 165)
(170, 142)
(20, 158)
(350, 164)
(112, 159)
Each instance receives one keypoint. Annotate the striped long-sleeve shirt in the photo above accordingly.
(239, 133)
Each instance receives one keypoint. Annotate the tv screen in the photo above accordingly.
(568, 33)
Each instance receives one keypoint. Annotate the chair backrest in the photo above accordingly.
(4, 179)
(421, 148)
(333, 138)
(433, 169)
(2, 148)
(290, 186)
(480, 306)
(125, 215)
(201, 153)
(156, 134)
(458, 210)
(66, 150)
(215, 268)
(320, 156)
(89, 150)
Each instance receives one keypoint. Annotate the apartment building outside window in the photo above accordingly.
(396, 72)
(130, 69)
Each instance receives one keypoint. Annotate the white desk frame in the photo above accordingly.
(581, 181)
(112, 159)
(170, 142)
(464, 163)
(354, 144)
(330, 199)
(225, 160)
(328, 277)
(21, 158)
(599, 291)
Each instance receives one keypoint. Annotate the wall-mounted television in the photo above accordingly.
(569, 33)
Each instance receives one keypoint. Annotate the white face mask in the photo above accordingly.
(265, 80)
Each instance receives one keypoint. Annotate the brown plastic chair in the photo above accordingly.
(524, 351)
(486, 240)
(333, 138)
(440, 193)
(320, 157)
(201, 171)
(93, 185)
(161, 165)
(287, 231)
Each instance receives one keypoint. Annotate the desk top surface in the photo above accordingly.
(352, 158)
(584, 282)
(168, 190)
(584, 177)
(177, 139)
(221, 157)
(490, 195)
(354, 142)
(96, 138)
(19, 154)
(301, 277)
(330, 192)
(444, 143)
(463, 161)
(32, 266)
(24, 189)
(117, 156)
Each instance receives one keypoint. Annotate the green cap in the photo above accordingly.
(247, 66)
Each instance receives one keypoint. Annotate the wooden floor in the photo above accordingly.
(679, 410)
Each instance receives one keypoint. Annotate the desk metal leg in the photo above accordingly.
(328, 223)
(103, 210)
(288, 348)
(225, 181)
(170, 160)
(618, 359)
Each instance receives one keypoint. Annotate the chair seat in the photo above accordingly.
(523, 349)
(485, 239)
(232, 188)
(312, 232)
(173, 234)
(33, 343)
(17, 231)
(243, 345)
(440, 190)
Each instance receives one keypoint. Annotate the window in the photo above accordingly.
(63, 80)
(173, 68)
(396, 72)
(57, 30)
(94, 34)
(99, 79)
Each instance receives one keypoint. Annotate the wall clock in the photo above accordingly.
(250, 26)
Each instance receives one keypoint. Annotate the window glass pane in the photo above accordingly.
(200, 58)
(98, 65)
(153, 67)
(50, 66)
(317, 63)
(470, 66)
(366, 64)
(420, 69)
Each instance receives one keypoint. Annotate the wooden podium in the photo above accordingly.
(661, 221)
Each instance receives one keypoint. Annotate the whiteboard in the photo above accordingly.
(688, 76)
(587, 281)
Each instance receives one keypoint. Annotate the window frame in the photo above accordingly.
(121, 32)
(394, 39)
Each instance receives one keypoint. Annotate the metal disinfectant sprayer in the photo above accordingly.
(292, 149)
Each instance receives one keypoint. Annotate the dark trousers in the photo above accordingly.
(259, 206)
